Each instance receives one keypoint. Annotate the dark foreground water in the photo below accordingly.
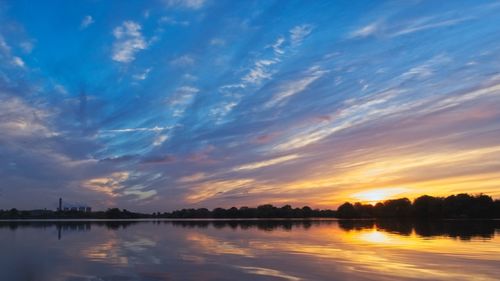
(249, 250)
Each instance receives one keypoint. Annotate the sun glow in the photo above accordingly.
(377, 195)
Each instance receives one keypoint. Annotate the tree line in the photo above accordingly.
(425, 207)
(112, 213)
(262, 211)
(454, 206)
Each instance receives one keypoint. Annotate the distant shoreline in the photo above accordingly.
(460, 206)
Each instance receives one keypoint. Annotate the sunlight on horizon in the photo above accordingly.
(378, 195)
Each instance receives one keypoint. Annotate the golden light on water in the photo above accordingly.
(375, 237)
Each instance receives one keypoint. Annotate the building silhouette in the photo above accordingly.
(73, 207)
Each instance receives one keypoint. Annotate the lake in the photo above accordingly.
(249, 250)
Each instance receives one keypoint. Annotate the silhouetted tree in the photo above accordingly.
(347, 211)
(428, 207)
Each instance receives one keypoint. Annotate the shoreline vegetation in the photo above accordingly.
(460, 206)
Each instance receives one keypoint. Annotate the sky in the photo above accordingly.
(165, 104)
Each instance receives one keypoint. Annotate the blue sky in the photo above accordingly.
(157, 105)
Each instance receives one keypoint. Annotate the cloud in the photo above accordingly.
(144, 129)
(120, 184)
(202, 156)
(18, 62)
(265, 138)
(184, 60)
(6, 53)
(277, 46)
(376, 106)
(269, 272)
(366, 31)
(159, 140)
(397, 29)
(120, 159)
(128, 42)
(452, 101)
(19, 119)
(27, 46)
(193, 178)
(164, 159)
(215, 188)
(86, 22)
(4, 47)
(310, 136)
(424, 24)
(427, 68)
(267, 163)
(294, 87)
(143, 75)
(217, 42)
(181, 99)
(189, 77)
(299, 33)
(218, 112)
(140, 194)
(259, 72)
(189, 4)
(109, 185)
(173, 21)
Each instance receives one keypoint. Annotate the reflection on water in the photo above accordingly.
(249, 250)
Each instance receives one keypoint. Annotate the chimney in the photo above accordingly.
(60, 205)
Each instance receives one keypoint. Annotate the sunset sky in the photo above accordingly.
(166, 104)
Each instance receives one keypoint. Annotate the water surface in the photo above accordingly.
(249, 250)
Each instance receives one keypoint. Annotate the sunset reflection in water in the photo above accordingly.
(250, 250)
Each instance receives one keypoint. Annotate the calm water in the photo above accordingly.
(250, 250)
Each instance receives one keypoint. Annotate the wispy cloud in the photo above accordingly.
(193, 178)
(86, 22)
(18, 119)
(4, 47)
(7, 53)
(277, 46)
(366, 31)
(184, 60)
(267, 163)
(294, 87)
(173, 21)
(161, 159)
(27, 46)
(181, 99)
(142, 75)
(215, 188)
(217, 42)
(128, 42)
(129, 130)
(425, 24)
(299, 33)
(427, 68)
(259, 72)
(189, 4)
(396, 29)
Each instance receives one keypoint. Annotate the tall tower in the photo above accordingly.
(60, 205)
